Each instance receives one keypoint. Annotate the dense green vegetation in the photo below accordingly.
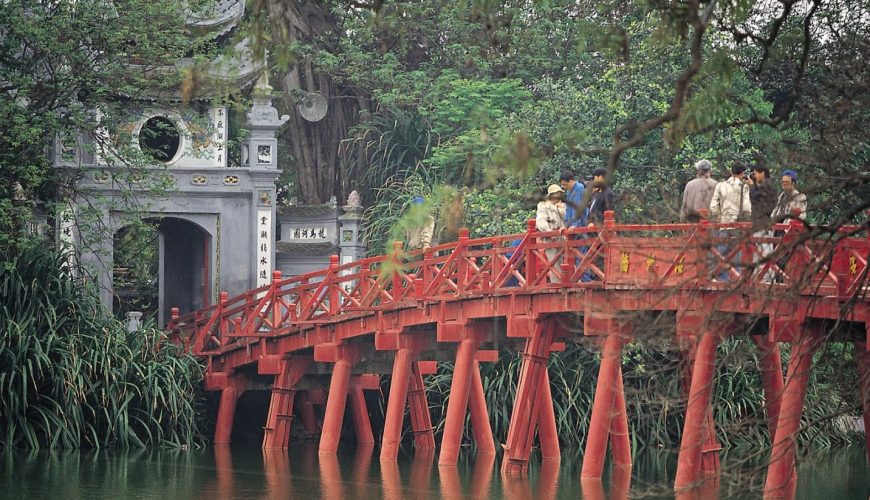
(72, 376)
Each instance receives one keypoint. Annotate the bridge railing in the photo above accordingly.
(678, 256)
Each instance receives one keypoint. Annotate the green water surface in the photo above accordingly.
(301, 472)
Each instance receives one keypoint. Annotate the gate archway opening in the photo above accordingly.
(159, 264)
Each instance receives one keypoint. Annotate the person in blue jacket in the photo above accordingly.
(574, 191)
(575, 216)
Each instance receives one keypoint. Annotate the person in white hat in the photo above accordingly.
(551, 217)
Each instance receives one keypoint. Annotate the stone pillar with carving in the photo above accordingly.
(260, 155)
(350, 237)
(351, 230)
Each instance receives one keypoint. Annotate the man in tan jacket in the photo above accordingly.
(550, 216)
(730, 204)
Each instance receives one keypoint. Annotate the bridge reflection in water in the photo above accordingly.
(219, 473)
(333, 333)
(303, 472)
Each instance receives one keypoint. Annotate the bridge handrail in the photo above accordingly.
(598, 256)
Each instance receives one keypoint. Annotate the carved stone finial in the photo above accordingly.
(333, 202)
(262, 87)
(353, 201)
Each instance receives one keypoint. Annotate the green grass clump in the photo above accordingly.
(72, 376)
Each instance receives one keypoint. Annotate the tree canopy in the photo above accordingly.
(466, 93)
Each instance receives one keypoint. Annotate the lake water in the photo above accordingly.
(301, 473)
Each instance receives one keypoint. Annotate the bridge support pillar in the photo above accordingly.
(548, 435)
(698, 423)
(771, 379)
(528, 400)
(280, 417)
(233, 386)
(781, 479)
(457, 402)
(362, 426)
(609, 415)
(466, 392)
(480, 425)
(408, 350)
(305, 408)
(418, 408)
(343, 357)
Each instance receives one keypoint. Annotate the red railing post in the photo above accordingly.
(175, 331)
(398, 286)
(529, 254)
(461, 263)
(418, 286)
(173, 317)
(567, 267)
(605, 236)
(703, 242)
(273, 298)
(365, 272)
(223, 321)
(428, 269)
(303, 298)
(485, 284)
(332, 286)
(796, 261)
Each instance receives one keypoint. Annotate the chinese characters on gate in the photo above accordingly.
(310, 233)
(219, 121)
(264, 250)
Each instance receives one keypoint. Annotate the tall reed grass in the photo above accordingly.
(72, 376)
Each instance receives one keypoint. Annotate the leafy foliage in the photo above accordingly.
(71, 375)
(70, 69)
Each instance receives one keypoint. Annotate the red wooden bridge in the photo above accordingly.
(400, 314)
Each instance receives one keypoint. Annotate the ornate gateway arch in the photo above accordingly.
(215, 218)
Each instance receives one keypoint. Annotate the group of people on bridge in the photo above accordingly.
(748, 195)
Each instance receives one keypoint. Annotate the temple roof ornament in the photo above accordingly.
(220, 19)
(354, 202)
(264, 116)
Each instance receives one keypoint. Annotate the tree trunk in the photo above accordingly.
(320, 168)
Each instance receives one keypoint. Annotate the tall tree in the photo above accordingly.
(319, 168)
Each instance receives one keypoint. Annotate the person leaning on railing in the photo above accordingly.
(550, 216)
(789, 202)
(790, 199)
(419, 236)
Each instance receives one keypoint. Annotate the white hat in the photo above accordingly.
(554, 188)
